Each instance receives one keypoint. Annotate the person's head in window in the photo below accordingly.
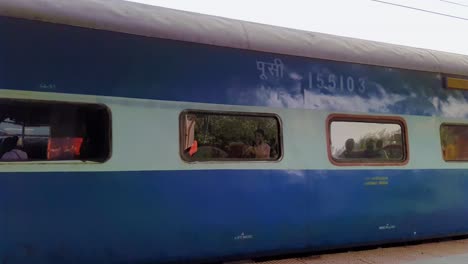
(370, 152)
(10, 150)
(349, 145)
(260, 150)
(10, 143)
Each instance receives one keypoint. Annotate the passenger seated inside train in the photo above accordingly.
(236, 149)
(11, 151)
(381, 153)
(373, 149)
(46, 131)
(363, 142)
(454, 142)
(369, 152)
(348, 152)
(260, 149)
(224, 137)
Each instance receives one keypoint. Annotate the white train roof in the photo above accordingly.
(151, 21)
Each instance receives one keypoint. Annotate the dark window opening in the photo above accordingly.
(215, 136)
(45, 131)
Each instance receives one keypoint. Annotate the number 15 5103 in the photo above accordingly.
(337, 83)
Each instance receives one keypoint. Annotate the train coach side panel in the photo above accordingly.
(163, 216)
(363, 207)
(86, 217)
(187, 211)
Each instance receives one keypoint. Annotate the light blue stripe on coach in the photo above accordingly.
(146, 137)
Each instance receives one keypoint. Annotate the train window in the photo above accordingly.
(44, 131)
(454, 141)
(227, 136)
(355, 140)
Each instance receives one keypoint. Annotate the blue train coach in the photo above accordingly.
(138, 134)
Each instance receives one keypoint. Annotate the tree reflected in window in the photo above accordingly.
(364, 141)
(209, 136)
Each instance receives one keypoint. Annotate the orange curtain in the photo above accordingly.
(64, 148)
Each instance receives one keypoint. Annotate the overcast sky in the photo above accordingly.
(365, 19)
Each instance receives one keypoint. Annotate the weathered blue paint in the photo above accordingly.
(96, 217)
(175, 215)
(64, 59)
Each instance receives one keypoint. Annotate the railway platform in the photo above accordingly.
(442, 252)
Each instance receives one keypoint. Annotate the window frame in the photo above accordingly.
(440, 138)
(109, 133)
(368, 119)
(229, 113)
